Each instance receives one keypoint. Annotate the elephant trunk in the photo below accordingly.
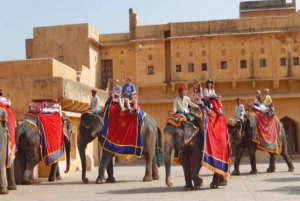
(81, 149)
(168, 147)
(68, 153)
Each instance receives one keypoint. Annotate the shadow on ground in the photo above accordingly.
(151, 190)
(284, 179)
(289, 190)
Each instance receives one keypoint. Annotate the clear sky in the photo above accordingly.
(19, 17)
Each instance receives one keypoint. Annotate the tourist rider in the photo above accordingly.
(116, 95)
(196, 95)
(211, 95)
(128, 92)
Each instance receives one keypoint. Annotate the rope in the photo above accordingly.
(21, 110)
(25, 129)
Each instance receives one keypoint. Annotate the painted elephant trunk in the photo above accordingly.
(68, 153)
(167, 160)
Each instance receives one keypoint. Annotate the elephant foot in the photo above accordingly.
(52, 179)
(223, 181)
(253, 172)
(110, 180)
(147, 179)
(26, 181)
(100, 180)
(58, 177)
(291, 169)
(271, 169)
(3, 191)
(198, 183)
(188, 188)
(12, 187)
(156, 177)
(236, 172)
(213, 185)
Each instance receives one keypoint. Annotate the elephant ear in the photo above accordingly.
(190, 130)
(96, 125)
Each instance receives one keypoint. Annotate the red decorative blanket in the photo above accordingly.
(267, 132)
(11, 126)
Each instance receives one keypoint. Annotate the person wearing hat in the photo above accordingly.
(95, 102)
(239, 110)
(57, 106)
(210, 94)
(4, 100)
(182, 103)
(128, 90)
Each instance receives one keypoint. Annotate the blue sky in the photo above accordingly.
(19, 17)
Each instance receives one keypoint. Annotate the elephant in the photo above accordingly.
(187, 138)
(90, 127)
(7, 178)
(29, 151)
(244, 140)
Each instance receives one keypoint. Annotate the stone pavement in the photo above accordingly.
(281, 185)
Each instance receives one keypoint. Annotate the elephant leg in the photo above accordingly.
(110, 172)
(223, 181)
(284, 154)
(272, 166)
(238, 156)
(11, 178)
(155, 175)
(252, 150)
(3, 177)
(196, 169)
(187, 172)
(52, 175)
(58, 177)
(148, 170)
(105, 161)
(29, 169)
(215, 181)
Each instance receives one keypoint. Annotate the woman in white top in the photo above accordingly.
(211, 95)
(116, 94)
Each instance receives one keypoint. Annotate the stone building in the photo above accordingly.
(256, 51)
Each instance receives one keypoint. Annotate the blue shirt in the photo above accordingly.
(128, 88)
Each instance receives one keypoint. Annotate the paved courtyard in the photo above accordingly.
(281, 185)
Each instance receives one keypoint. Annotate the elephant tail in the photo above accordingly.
(158, 147)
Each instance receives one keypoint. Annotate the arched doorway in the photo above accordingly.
(290, 129)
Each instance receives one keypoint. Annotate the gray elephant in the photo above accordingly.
(90, 127)
(7, 179)
(242, 140)
(188, 139)
(29, 151)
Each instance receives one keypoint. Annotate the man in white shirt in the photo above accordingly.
(182, 103)
(4, 100)
(95, 102)
(239, 110)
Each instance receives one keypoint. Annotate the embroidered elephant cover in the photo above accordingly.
(216, 151)
(50, 130)
(121, 134)
(267, 131)
(8, 117)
